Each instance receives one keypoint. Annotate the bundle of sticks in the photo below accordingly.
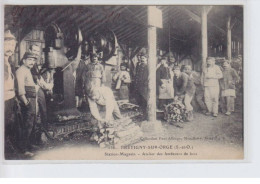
(175, 112)
(121, 132)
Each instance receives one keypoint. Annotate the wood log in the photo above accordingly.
(129, 126)
(134, 140)
(123, 121)
(131, 136)
(127, 132)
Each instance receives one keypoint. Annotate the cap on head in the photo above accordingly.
(29, 55)
(163, 58)
(187, 67)
(176, 67)
(211, 59)
(143, 54)
(34, 45)
(123, 64)
(8, 35)
(226, 63)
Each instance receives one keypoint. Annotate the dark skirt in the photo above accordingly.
(124, 92)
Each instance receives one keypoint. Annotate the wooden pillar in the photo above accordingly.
(204, 36)
(151, 103)
(229, 42)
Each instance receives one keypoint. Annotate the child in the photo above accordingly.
(122, 79)
(227, 84)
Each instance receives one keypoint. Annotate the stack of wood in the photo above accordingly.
(175, 112)
(121, 132)
(128, 109)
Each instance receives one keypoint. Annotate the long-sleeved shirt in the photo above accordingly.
(122, 78)
(196, 77)
(9, 82)
(24, 78)
(212, 75)
(230, 77)
(162, 72)
(190, 88)
(106, 99)
(92, 76)
(180, 84)
(79, 72)
(141, 79)
(39, 80)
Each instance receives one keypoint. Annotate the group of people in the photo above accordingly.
(174, 83)
(28, 89)
(25, 91)
(209, 86)
(90, 79)
(213, 84)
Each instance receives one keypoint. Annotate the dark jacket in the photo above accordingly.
(229, 79)
(180, 84)
(191, 87)
(78, 82)
(162, 73)
(141, 79)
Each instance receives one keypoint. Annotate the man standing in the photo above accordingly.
(211, 75)
(122, 79)
(141, 83)
(164, 84)
(27, 91)
(228, 88)
(9, 91)
(92, 76)
(84, 61)
(38, 79)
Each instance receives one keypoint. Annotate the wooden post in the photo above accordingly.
(204, 36)
(151, 103)
(229, 49)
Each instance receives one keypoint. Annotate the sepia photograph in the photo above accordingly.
(123, 82)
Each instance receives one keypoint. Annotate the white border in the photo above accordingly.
(251, 9)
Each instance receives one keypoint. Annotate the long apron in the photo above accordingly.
(166, 90)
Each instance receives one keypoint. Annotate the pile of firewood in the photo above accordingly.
(128, 109)
(175, 112)
(118, 133)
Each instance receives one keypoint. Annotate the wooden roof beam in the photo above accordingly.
(119, 30)
(208, 9)
(140, 32)
(123, 33)
(130, 35)
(198, 19)
(191, 14)
(94, 16)
(88, 20)
(54, 15)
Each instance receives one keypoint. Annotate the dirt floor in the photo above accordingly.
(204, 138)
(207, 137)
